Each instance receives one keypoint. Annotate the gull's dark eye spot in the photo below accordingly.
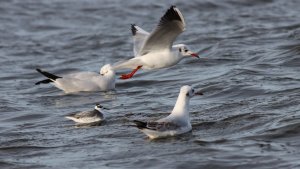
(186, 50)
(179, 49)
(193, 91)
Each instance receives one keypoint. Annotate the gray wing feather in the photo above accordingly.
(139, 37)
(169, 27)
(91, 113)
(162, 126)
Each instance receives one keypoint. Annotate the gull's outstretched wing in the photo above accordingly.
(139, 36)
(169, 27)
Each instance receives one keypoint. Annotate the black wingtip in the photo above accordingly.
(140, 124)
(171, 15)
(39, 70)
(133, 29)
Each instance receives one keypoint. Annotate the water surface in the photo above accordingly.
(248, 117)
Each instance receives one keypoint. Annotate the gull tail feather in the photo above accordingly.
(51, 77)
(140, 124)
(71, 118)
(43, 81)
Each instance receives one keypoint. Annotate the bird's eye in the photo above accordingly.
(179, 49)
(193, 91)
(186, 50)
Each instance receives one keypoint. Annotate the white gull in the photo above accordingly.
(82, 81)
(178, 122)
(155, 50)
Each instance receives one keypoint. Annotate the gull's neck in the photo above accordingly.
(110, 75)
(100, 111)
(181, 107)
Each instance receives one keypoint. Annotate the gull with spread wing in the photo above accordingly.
(155, 50)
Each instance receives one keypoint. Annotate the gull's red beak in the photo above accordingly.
(195, 55)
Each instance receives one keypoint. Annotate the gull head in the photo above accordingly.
(189, 91)
(106, 69)
(100, 107)
(184, 50)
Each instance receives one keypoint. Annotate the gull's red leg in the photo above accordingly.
(129, 75)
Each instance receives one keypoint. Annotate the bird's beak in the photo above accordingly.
(195, 55)
(105, 108)
(199, 93)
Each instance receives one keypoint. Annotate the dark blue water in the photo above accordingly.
(249, 72)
